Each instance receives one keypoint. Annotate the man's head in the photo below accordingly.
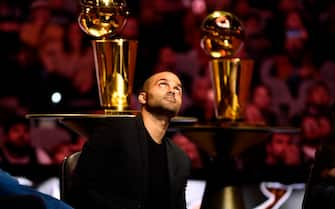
(17, 134)
(161, 94)
(283, 148)
(262, 97)
(319, 96)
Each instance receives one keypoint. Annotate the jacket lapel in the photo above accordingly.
(143, 149)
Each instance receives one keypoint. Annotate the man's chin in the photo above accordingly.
(163, 111)
(169, 112)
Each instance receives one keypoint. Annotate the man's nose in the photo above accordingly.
(171, 91)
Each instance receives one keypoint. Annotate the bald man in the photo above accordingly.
(129, 163)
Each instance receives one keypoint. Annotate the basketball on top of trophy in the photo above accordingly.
(103, 18)
(223, 34)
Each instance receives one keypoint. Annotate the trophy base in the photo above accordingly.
(120, 112)
(230, 121)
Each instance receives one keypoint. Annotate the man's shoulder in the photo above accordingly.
(114, 130)
(176, 150)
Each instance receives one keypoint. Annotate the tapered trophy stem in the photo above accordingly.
(115, 68)
(231, 79)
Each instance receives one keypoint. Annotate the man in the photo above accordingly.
(17, 148)
(128, 162)
(17, 154)
(320, 187)
(278, 159)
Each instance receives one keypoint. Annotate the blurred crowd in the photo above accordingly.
(47, 66)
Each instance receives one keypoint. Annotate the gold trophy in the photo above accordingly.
(114, 57)
(223, 37)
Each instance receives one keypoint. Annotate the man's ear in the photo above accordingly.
(142, 97)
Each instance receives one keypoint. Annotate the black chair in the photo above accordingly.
(68, 166)
(320, 187)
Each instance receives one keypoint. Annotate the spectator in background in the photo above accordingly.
(259, 110)
(327, 74)
(280, 159)
(318, 99)
(287, 85)
(59, 152)
(79, 67)
(289, 72)
(53, 77)
(315, 119)
(199, 159)
(283, 149)
(64, 149)
(315, 130)
(18, 156)
(320, 188)
(40, 15)
(202, 106)
(190, 57)
(10, 24)
(257, 44)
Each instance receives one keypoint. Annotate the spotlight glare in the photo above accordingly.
(56, 97)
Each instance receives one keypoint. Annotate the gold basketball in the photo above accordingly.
(223, 34)
(102, 18)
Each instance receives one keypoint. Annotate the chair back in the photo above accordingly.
(320, 187)
(67, 169)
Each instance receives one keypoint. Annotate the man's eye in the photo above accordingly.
(163, 84)
(178, 90)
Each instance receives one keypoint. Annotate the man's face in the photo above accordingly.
(18, 135)
(280, 142)
(262, 97)
(163, 94)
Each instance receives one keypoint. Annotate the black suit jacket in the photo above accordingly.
(113, 167)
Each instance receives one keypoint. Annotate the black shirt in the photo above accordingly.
(158, 178)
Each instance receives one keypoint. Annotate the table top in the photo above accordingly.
(80, 115)
(214, 137)
(177, 123)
